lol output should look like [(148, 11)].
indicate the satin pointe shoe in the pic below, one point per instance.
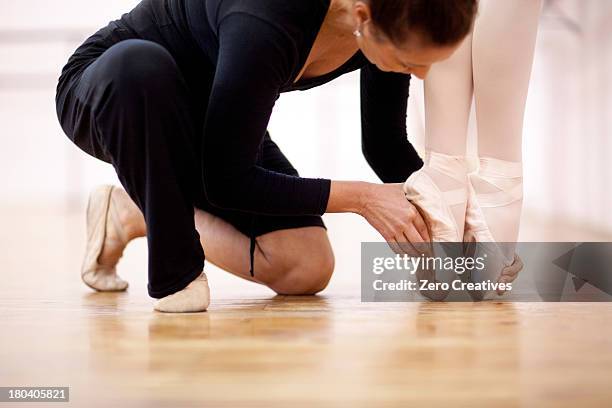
[(503, 183), (101, 215), (439, 205)]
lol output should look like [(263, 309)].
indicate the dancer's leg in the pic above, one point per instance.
[(439, 188), (503, 48), (448, 97), (448, 100)]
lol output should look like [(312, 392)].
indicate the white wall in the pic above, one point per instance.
[(568, 138)]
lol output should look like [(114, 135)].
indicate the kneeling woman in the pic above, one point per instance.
[(177, 95)]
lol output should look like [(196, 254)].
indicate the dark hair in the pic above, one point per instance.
[(442, 22)]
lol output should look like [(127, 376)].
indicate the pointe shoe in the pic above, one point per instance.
[(99, 211), (435, 205), (505, 178), (194, 298)]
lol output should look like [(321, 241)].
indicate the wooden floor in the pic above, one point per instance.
[(256, 349)]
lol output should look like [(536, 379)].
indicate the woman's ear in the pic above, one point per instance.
[(361, 14)]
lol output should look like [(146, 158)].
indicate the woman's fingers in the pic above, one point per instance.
[(420, 225), (411, 234), (419, 246), (408, 245), (398, 221), (394, 245), (416, 230)]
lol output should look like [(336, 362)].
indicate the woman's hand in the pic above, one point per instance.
[(386, 208), (395, 218)]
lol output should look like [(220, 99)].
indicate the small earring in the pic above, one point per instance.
[(357, 33)]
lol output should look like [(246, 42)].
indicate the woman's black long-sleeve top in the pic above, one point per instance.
[(258, 47)]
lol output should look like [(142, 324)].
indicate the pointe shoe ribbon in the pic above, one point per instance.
[(504, 176), (99, 212)]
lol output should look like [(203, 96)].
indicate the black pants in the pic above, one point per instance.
[(134, 95)]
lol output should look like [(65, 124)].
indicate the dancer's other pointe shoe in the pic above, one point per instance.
[(439, 191), (194, 298), (104, 231), (495, 194)]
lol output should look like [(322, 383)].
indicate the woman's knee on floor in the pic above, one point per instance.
[(301, 267)]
